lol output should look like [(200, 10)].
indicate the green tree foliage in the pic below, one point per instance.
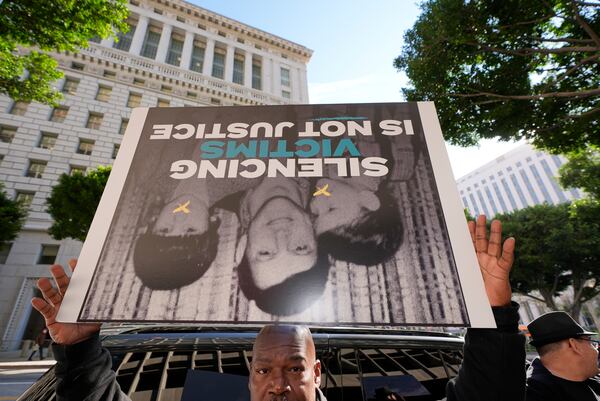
[(508, 69), (558, 246), (12, 216), (60, 25), (73, 202), (582, 171)]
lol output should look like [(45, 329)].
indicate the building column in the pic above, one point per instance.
[(138, 36), (163, 43), (276, 78), (229, 55), (266, 75), (248, 69), (295, 84), (209, 53), (303, 86), (186, 53)]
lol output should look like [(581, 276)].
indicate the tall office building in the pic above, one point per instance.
[(175, 54), (520, 178)]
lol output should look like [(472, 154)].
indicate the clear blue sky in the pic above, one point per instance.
[(354, 44)]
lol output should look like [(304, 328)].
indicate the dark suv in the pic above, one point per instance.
[(155, 362)]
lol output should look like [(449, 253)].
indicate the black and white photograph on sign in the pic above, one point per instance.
[(321, 214)]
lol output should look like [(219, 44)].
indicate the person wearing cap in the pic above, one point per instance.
[(567, 368)]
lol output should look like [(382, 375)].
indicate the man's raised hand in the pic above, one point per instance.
[(495, 259), (61, 333)]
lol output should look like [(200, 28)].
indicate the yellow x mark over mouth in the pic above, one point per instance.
[(182, 208), (322, 191)]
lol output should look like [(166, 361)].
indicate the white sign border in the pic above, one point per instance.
[(478, 308), (86, 265)]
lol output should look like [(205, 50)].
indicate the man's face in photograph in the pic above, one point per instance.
[(281, 242)]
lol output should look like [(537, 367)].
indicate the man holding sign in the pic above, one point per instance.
[(284, 365)]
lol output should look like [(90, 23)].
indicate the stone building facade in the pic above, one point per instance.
[(175, 54)]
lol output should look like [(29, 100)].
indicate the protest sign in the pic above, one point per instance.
[(321, 214)]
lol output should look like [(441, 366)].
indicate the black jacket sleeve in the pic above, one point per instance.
[(84, 373), (493, 368)]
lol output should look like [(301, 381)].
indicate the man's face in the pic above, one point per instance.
[(281, 243), (284, 368), (589, 356)]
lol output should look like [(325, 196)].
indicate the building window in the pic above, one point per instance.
[(86, 146), (77, 170), (180, 19), (151, 43), (116, 148), (94, 120), (197, 58), (47, 140), (500, 198), (215, 101), (218, 68), (103, 94), (529, 187), (192, 95), (19, 108), (4, 251), (286, 94), (123, 127), (162, 103), (552, 180), (109, 74), (138, 82), (59, 114), (25, 198), (517, 186), (285, 77), (256, 76), (238, 70), (123, 41), (134, 100), (70, 85), (541, 185), (508, 193), (77, 66), (48, 254), (166, 89), (7, 134), (36, 169), (174, 53), (96, 39)]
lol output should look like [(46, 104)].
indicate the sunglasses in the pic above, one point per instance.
[(595, 343)]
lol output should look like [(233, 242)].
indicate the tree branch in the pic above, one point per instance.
[(559, 40), (536, 298), (582, 115), (528, 51), (533, 21), (583, 24), (579, 94), (572, 70)]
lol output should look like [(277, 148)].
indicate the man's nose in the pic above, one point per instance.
[(281, 235), (279, 384)]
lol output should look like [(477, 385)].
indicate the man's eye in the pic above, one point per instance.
[(261, 371), (297, 369)]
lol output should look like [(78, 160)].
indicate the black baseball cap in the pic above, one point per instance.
[(555, 326)]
